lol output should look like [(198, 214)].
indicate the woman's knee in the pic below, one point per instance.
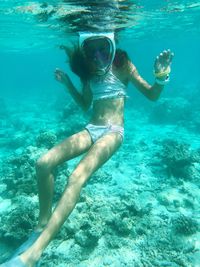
[(43, 165)]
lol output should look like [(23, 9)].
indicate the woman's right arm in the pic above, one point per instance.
[(83, 100)]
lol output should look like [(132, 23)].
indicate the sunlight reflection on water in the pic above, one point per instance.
[(38, 24)]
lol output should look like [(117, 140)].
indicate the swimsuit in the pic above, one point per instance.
[(105, 87), (97, 131)]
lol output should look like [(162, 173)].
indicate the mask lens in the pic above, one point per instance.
[(99, 51)]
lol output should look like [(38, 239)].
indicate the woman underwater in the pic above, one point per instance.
[(105, 73)]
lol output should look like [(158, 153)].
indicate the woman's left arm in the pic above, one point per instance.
[(161, 72)]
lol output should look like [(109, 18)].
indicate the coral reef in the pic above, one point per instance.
[(16, 225), (179, 159), (46, 139), (18, 172), (70, 121), (125, 213), (184, 225), (88, 236)]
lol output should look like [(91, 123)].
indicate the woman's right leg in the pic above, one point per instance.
[(66, 150)]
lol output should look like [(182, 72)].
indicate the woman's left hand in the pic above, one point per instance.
[(163, 62)]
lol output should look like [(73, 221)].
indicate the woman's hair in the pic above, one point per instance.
[(81, 67), (78, 64), (121, 58)]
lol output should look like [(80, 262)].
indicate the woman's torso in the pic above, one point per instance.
[(109, 109)]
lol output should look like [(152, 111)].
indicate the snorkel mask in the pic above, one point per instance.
[(98, 49)]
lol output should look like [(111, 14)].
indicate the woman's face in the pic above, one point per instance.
[(98, 53)]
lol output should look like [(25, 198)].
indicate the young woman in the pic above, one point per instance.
[(105, 73)]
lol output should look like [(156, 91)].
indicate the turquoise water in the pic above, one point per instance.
[(142, 207)]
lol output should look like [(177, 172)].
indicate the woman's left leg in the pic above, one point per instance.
[(98, 154)]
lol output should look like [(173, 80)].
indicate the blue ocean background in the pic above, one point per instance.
[(142, 207)]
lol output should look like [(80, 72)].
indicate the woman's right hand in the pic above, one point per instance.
[(61, 76)]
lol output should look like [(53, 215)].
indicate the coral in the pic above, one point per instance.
[(70, 121), (86, 226), (122, 226), (18, 172), (62, 173), (88, 237), (178, 158), (125, 216), (102, 176), (15, 226), (46, 139), (114, 242), (58, 254), (184, 225)]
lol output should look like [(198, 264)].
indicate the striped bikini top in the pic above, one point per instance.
[(107, 86)]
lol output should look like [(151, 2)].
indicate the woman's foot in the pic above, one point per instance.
[(27, 244), (21, 261), (30, 259)]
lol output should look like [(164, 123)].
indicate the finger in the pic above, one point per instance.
[(171, 56), (162, 58), (58, 71), (165, 53), (160, 62), (156, 63), (167, 56)]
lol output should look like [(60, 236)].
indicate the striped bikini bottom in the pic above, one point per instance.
[(97, 131)]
